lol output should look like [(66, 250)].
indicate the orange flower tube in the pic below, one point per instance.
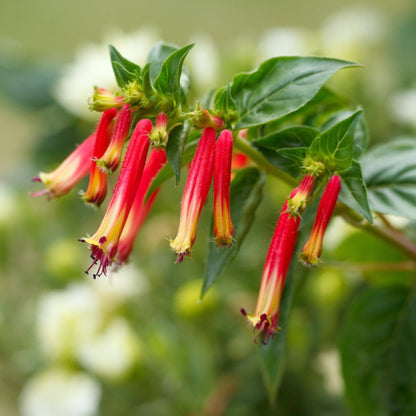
[(97, 186), (266, 315), (313, 248), (195, 194), (77, 165), (223, 226), (104, 243), (140, 207)]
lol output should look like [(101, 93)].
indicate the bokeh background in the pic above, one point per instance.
[(141, 342)]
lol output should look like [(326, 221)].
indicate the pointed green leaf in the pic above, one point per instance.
[(125, 71), (280, 86), (176, 146), (335, 146), (378, 344), (390, 174), (354, 192), (168, 80), (360, 130), (158, 54), (245, 196)]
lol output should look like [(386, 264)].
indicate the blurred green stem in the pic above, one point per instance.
[(387, 233)]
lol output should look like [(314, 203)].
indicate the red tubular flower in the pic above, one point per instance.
[(140, 207), (104, 242), (77, 165), (266, 315), (203, 119), (313, 247), (195, 194), (223, 226), (111, 158), (97, 186)]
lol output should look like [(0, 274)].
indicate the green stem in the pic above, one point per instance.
[(245, 147), (391, 235)]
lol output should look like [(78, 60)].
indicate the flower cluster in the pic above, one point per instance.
[(151, 114), (266, 315), (101, 154)]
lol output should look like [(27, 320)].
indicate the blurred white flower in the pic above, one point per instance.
[(60, 392), (351, 32), (328, 364), (67, 319), (91, 67), (286, 41), (126, 282), (403, 107), (112, 353), (203, 61)]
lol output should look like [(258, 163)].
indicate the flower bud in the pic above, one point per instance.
[(103, 100), (223, 226), (111, 158), (195, 194), (313, 248), (97, 186)]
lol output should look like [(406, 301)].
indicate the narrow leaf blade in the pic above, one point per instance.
[(245, 196)]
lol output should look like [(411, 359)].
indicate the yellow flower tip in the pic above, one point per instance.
[(181, 248), (262, 326), (224, 241), (308, 260)]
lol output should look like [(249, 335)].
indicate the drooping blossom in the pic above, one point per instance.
[(141, 206), (111, 158), (223, 226), (195, 193), (313, 248), (104, 243), (77, 165), (97, 185), (266, 315)]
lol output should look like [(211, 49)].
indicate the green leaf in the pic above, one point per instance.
[(354, 192), (280, 86), (176, 146), (378, 344), (272, 356), (245, 195), (360, 131), (124, 70), (335, 146), (168, 80), (286, 149), (389, 171), (158, 54)]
